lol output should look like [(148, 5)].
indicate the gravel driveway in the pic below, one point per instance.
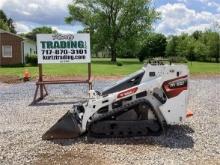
[(22, 125)]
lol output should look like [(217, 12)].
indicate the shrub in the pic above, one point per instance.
[(141, 57), (143, 54), (31, 59), (119, 64)]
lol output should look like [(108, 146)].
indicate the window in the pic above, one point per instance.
[(7, 51)]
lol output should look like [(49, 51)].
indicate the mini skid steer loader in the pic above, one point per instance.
[(141, 104)]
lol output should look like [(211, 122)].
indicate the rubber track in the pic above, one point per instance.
[(101, 120)]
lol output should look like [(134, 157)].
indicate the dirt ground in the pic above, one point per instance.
[(16, 79), (10, 79)]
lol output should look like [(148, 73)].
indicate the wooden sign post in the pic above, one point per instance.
[(58, 48)]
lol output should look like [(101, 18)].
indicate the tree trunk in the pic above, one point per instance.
[(217, 59), (113, 48), (113, 55)]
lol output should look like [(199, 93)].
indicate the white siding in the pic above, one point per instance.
[(29, 48)]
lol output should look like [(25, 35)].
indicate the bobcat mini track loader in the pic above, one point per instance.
[(140, 104)]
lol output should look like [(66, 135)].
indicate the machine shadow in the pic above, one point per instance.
[(51, 103), (48, 103), (177, 136)]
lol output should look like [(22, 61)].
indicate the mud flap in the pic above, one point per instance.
[(67, 127)]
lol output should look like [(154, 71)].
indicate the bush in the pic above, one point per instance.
[(119, 64), (143, 54), (141, 57), (31, 59)]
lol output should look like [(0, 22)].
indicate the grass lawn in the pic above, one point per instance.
[(102, 67), (204, 68)]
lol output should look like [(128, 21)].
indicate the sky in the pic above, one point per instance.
[(177, 16)]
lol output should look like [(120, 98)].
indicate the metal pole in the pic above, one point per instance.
[(89, 75), (41, 80), (89, 71)]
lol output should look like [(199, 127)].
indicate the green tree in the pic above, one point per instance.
[(3, 16), (118, 25), (201, 46), (44, 29), (190, 55), (197, 35), (185, 47), (6, 23), (171, 46), (212, 42), (155, 46), (201, 51)]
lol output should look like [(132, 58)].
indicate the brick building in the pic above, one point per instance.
[(11, 48)]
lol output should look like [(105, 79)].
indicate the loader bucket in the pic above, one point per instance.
[(67, 127)]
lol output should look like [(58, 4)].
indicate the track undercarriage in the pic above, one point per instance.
[(126, 121)]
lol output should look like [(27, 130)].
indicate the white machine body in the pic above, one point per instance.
[(172, 112), (141, 103)]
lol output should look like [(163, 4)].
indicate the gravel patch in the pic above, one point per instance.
[(22, 125)]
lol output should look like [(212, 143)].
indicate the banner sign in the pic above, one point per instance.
[(63, 48)]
